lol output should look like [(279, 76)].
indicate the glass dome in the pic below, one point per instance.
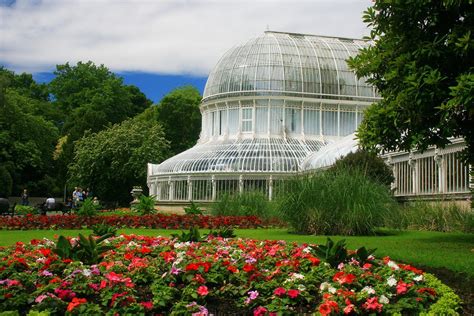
[(289, 64), (268, 104), (327, 155)]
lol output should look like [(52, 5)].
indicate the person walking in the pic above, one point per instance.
[(24, 198)]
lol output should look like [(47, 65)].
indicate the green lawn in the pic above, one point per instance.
[(454, 251)]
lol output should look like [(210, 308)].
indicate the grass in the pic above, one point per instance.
[(453, 251)]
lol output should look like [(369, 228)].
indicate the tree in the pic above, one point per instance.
[(112, 161), (180, 116), (27, 142), (91, 98), (422, 62)]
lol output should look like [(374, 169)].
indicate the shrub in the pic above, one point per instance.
[(436, 216), (104, 229), (338, 202), (25, 209), (193, 209), (145, 205), (369, 164), (87, 208), (244, 204)]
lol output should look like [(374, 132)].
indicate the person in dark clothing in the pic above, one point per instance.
[(24, 198)]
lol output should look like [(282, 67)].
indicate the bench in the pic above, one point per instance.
[(5, 208), (56, 207)]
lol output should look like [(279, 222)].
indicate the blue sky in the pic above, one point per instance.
[(157, 45), (154, 86)]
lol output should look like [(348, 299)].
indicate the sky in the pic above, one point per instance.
[(157, 45)]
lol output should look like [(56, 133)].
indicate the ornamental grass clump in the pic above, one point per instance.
[(341, 202), (252, 203)]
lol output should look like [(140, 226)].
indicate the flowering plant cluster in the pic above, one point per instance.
[(157, 275), (172, 221)]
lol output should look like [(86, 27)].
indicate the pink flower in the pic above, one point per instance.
[(202, 290), (372, 304), (293, 293), (279, 291)]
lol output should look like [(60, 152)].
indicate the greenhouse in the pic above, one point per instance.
[(268, 104)]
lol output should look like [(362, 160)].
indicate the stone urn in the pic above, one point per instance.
[(136, 193)]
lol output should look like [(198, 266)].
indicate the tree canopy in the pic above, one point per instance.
[(113, 160), (180, 116), (422, 62), (27, 138)]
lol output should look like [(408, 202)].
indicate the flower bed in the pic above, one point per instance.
[(156, 275), (131, 221)]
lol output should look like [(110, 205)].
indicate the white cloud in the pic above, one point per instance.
[(174, 37)]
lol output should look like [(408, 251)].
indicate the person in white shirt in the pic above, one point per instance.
[(50, 202)]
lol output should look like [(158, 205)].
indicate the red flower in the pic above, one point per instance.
[(344, 278), (260, 311), (202, 290), (428, 290), (293, 293), (279, 291), (147, 305), (328, 307), (45, 252), (315, 261), (402, 287), (372, 304), (145, 250), (232, 269), (248, 268), (76, 302)]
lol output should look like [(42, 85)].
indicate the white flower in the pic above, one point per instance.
[(332, 290), (418, 278), (393, 265), (383, 299), (86, 272), (368, 290), (324, 286), (340, 266), (132, 244), (307, 250), (301, 287), (391, 281)]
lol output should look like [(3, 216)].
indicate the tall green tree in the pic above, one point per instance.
[(113, 160), (180, 116), (91, 98), (422, 62), (27, 140)]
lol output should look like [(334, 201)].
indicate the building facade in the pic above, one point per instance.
[(268, 104)]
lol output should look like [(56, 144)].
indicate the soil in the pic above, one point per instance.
[(461, 283)]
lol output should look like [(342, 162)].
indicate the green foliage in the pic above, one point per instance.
[(145, 205), (448, 302), (88, 250), (178, 112), (421, 63), (338, 202), (104, 229), (193, 235), (117, 155), (433, 216), (245, 204), (87, 208), (332, 253), (193, 209), (6, 182), (27, 136), (24, 209), (91, 98), (226, 232), (367, 163)]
